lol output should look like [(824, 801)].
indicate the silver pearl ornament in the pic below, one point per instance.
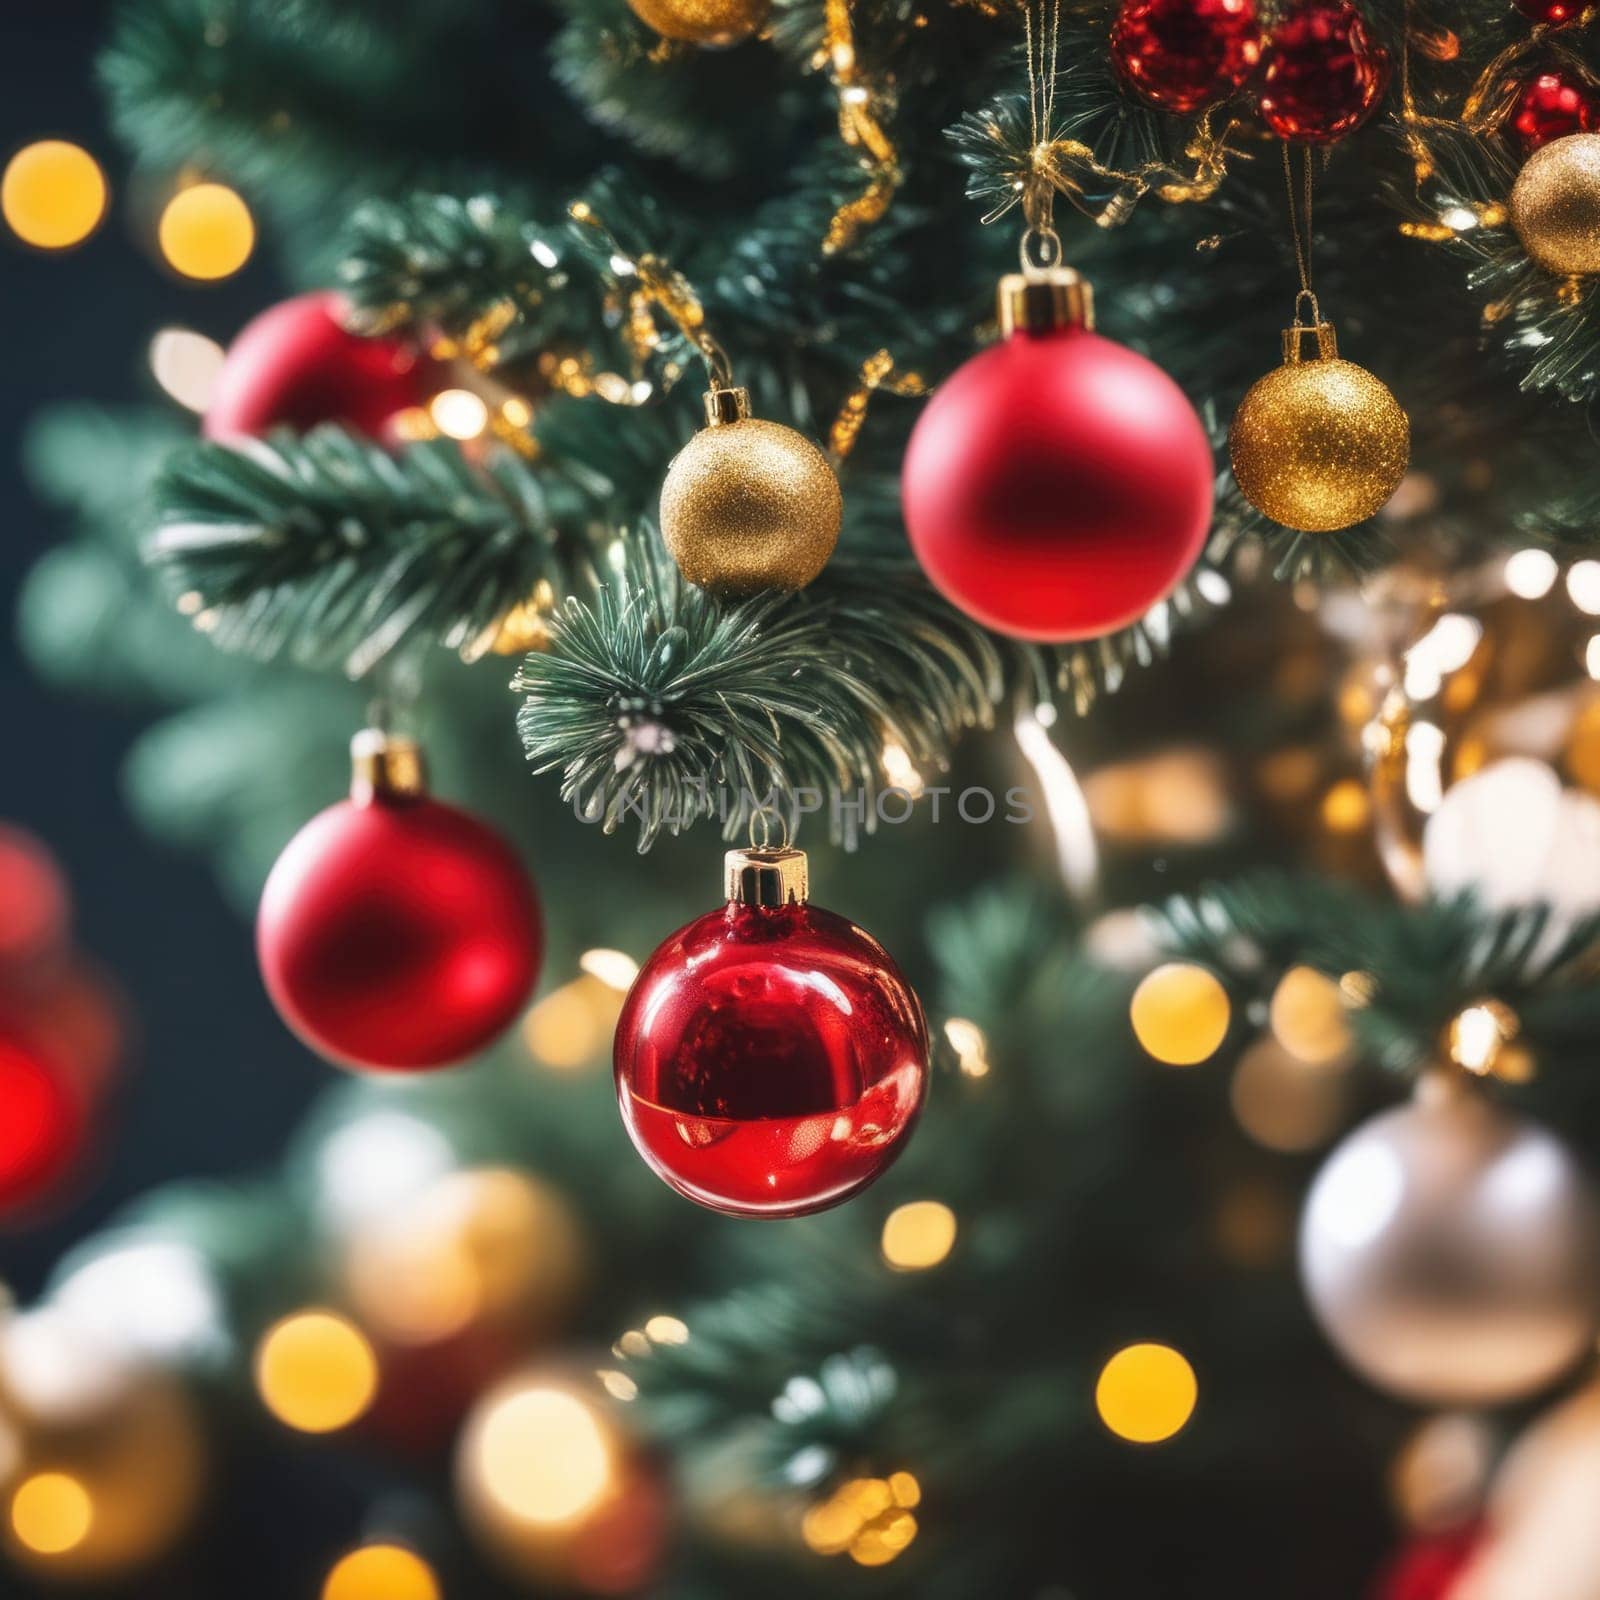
[(1451, 1250)]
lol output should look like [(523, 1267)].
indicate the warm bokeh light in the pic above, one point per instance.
[(1308, 1017), (868, 1519), (1479, 1033), (315, 1371), (1346, 807), (666, 1330), (614, 968), (458, 413), (1146, 1393), (918, 1235), (381, 1572), (971, 1048), (1531, 574), (206, 231), (51, 1513), (186, 365), (1583, 586), (1281, 1104), (542, 1455), (53, 194), (1180, 1014), (573, 1025)]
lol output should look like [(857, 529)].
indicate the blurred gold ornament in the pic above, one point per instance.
[(1318, 444), (104, 1469), (711, 22), (1180, 1014), (1555, 205), (553, 1487), (749, 505), (1450, 1250), (487, 1248)]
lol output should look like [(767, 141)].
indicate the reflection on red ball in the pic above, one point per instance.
[(1185, 54), (770, 1062), (296, 365), (43, 1124), (398, 933), (1324, 73), (1057, 486), (1551, 107)]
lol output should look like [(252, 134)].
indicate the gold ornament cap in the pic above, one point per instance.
[(385, 766), (1324, 346), (727, 405), (766, 877), (1045, 300)]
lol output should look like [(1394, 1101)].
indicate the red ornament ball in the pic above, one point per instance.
[(1181, 55), (1554, 13), (1057, 486), (1551, 107), (43, 1123), (1428, 1567), (398, 934), (770, 1059), (1324, 73), (297, 365)]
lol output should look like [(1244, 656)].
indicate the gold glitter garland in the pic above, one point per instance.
[(864, 109), (877, 372)]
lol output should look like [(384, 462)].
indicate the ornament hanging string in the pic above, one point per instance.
[(1041, 244), (1300, 214)]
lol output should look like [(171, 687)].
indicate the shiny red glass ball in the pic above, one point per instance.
[(296, 365), (1553, 12), (43, 1123), (1324, 73), (1057, 486), (1185, 54), (1551, 107), (770, 1062), (398, 934)]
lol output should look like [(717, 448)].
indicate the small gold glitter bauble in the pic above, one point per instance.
[(1318, 444), (1555, 205), (748, 504), (713, 22)]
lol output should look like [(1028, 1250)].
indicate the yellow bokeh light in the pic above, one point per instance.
[(1180, 1014), (53, 194), (1146, 1393), (614, 968), (1346, 807), (868, 1519), (207, 231), (381, 1572), (918, 1235), (51, 1513), (543, 1456), (458, 413), (315, 1371), (666, 1330), (1308, 1017), (573, 1025)]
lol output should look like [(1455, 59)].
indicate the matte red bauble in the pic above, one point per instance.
[(1059, 484), (397, 933), (770, 1058), (1551, 107), (43, 1123), (297, 365), (1324, 73), (1185, 54)]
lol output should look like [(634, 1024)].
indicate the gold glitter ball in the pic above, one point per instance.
[(750, 505), (1555, 205), (1319, 445), (713, 22)]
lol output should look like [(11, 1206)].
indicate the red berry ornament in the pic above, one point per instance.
[(43, 1123), (1324, 73), (1551, 107), (770, 1058), (1059, 484), (397, 933), (1185, 54), (297, 365)]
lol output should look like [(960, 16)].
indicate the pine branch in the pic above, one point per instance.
[(328, 547)]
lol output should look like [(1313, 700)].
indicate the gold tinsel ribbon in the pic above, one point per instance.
[(877, 372), (864, 110)]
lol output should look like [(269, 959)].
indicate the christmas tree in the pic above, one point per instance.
[(1116, 484)]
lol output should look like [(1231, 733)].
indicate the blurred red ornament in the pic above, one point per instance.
[(296, 365), (1324, 73), (1551, 107), (770, 1058), (1185, 54), (34, 906), (43, 1123), (397, 933), (1428, 1567), (1552, 12), (1058, 484), (70, 1011)]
